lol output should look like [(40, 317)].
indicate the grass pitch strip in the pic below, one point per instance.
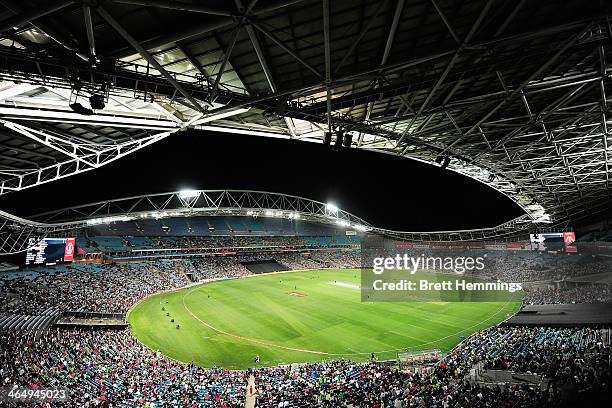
[(300, 317)]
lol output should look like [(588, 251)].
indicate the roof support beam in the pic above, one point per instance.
[(218, 23), (25, 18), (175, 5), (449, 66), (511, 16), (285, 48), (446, 22), (604, 122), (90, 32), (396, 17), (194, 62), (327, 46), (265, 67), (363, 32), (260, 56), (569, 43), (226, 57), (15, 90), (145, 54)]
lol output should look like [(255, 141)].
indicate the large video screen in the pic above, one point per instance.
[(554, 241), (50, 251)]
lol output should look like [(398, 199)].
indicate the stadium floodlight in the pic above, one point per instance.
[(107, 220), (269, 213), (343, 223), (360, 227), (157, 215), (188, 197), (185, 194), (331, 209)]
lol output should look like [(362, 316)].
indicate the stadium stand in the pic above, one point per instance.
[(127, 373), (572, 362)]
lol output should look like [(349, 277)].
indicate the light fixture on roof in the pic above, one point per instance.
[(188, 197), (331, 209), (188, 193), (80, 109), (443, 161), (97, 101)]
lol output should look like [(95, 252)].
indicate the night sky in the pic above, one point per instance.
[(387, 191)]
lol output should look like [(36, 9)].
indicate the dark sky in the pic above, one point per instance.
[(385, 190)]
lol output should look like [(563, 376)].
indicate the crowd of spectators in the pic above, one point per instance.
[(298, 261), (111, 289), (575, 357), (231, 241), (531, 266), (115, 287), (216, 268), (573, 293), (340, 259), (106, 288), (110, 368)]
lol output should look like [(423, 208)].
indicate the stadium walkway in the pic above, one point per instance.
[(251, 391)]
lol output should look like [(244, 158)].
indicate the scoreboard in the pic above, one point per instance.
[(50, 251), (554, 241)]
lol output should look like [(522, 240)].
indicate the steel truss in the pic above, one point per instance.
[(539, 135), (79, 156), (16, 231)]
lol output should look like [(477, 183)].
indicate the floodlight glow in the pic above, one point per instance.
[(188, 193), (107, 220), (343, 223), (269, 213), (331, 208), (360, 227)]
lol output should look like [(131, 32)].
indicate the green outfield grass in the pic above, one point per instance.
[(228, 323)]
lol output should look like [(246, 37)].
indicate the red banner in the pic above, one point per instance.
[(69, 249), (569, 237)]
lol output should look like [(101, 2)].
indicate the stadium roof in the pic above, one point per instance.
[(514, 93), (16, 233)]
